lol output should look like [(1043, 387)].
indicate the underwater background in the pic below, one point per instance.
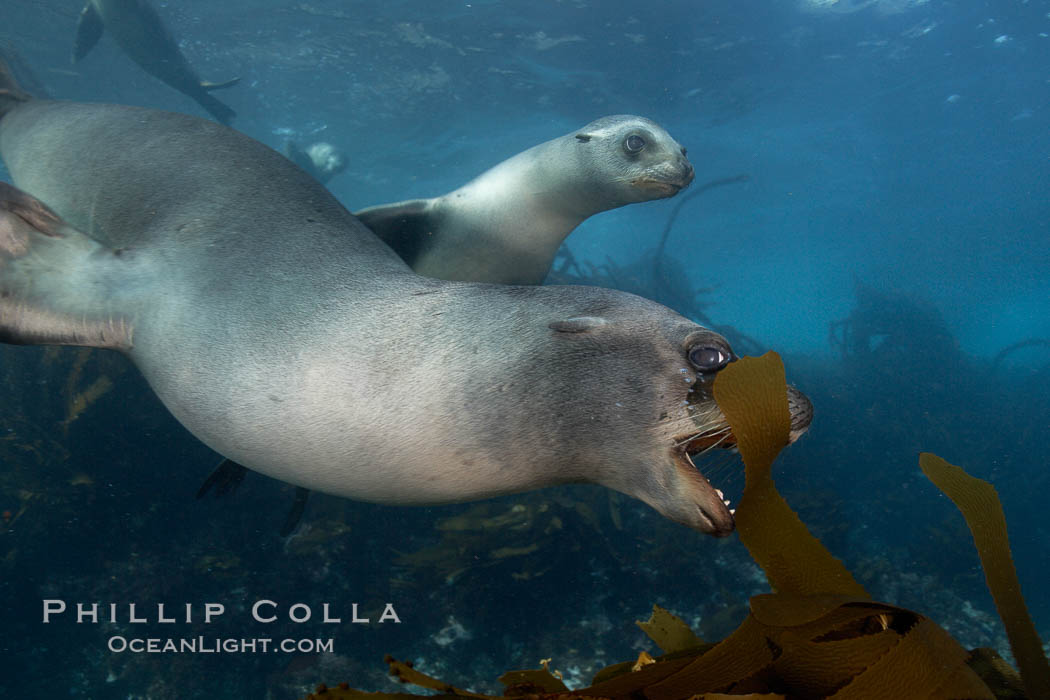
[(891, 240)]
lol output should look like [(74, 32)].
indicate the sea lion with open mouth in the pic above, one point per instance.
[(281, 332)]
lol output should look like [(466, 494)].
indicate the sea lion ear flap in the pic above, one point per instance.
[(583, 138), (578, 324)]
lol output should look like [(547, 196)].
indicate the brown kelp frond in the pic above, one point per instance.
[(979, 504), (752, 396), (668, 631), (818, 635)]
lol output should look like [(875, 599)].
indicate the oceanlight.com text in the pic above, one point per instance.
[(218, 645)]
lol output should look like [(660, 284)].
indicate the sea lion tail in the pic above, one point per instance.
[(54, 279), (11, 93), (209, 86)]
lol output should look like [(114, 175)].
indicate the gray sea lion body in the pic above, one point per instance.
[(289, 338), (506, 225), (138, 30)]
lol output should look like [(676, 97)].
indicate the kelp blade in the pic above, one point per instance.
[(752, 393), (979, 504), (819, 635)]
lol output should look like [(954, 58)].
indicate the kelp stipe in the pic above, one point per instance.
[(819, 634)]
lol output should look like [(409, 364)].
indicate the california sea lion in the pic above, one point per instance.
[(321, 159), (501, 227), (506, 225), (139, 31), (286, 336)]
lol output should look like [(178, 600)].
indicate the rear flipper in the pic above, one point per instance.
[(54, 280), (16, 77), (208, 85), (220, 110), (11, 93), (222, 113)]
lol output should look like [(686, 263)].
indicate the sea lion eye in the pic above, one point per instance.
[(707, 359), (633, 143)]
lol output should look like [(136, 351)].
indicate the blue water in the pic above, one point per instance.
[(898, 155)]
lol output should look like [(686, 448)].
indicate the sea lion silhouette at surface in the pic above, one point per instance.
[(327, 362), (505, 225), (139, 31)]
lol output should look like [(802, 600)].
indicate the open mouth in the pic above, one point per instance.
[(665, 188), (714, 508), (713, 432)]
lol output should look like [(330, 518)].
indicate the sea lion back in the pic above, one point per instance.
[(113, 189)]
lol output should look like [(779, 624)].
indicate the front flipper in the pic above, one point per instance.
[(295, 514), (408, 227), (54, 280), (89, 29), (225, 479)]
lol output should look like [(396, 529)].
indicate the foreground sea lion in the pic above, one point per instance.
[(287, 337), (139, 31), (505, 225)]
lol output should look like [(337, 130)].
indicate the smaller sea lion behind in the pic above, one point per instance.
[(139, 31), (506, 225), (321, 159)]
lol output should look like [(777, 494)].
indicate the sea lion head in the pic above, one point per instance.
[(650, 408), (326, 158), (639, 159)]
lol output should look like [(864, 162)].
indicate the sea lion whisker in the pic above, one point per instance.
[(721, 433), (703, 421)]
